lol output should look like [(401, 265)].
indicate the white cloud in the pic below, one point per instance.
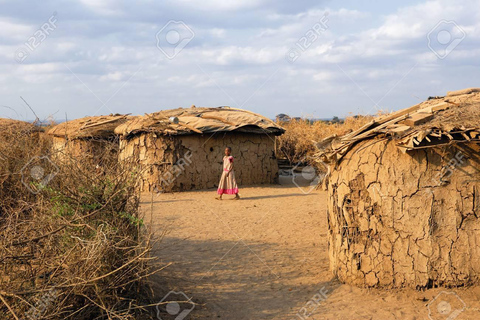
[(218, 33), (220, 5), (40, 68), (114, 76), (15, 31), (104, 7), (323, 76), (240, 48), (234, 54), (345, 14)]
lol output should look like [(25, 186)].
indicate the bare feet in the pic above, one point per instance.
[(237, 197), (218, 198)]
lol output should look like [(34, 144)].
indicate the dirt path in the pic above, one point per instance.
[(266, 257)]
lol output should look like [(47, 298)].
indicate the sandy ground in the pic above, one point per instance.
[(265, 257)]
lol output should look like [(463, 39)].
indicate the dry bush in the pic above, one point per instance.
[(297, 144), (74, 246), (18, 144)]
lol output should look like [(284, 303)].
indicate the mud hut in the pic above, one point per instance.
[(17, 127), (7, 124), (182, 149), (404, 196), (90, 137)]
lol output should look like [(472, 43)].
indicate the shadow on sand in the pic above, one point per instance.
[(235, 279)]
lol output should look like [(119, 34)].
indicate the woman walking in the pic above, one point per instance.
[(227, 184)]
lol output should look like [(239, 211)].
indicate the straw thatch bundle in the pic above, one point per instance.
[(404, 196), (182, 149), (90, 136), (19, 127), (89, 127)]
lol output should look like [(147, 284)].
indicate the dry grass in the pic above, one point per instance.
[(74, 248), (298, 142)]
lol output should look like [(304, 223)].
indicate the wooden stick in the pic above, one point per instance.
[(9, 308), (103, 122)]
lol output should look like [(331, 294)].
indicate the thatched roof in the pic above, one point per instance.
[(439, 121), (89, 127), (10, 125), (200, 120)]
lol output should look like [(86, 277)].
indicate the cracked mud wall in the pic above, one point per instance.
[(192, 162), (410, 219), (99, 151)]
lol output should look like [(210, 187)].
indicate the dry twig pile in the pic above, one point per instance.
[(72, 242)]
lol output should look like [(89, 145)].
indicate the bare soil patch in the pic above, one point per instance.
[(266, 257)]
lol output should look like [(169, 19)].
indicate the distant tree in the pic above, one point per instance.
[(335, 119), (283, 117)]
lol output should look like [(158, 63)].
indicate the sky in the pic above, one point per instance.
[(304, 58)]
